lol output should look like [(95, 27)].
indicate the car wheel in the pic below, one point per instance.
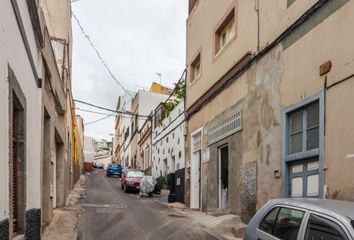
[(121, 185), (125, 189)]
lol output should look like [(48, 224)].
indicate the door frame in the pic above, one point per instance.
[(219, 171), (193, 152)]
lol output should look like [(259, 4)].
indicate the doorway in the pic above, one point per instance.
[(18, 168), (195, 180), (223, 176), (47, 170), (195, 172)]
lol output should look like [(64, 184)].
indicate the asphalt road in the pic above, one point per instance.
[(112, 214)]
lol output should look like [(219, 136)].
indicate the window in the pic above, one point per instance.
[(304, 129), (267, 224), (302, 150), (283, 223), (195, 68), (225, 32), (135, 174), (319, 228)]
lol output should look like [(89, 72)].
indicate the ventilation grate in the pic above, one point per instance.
[(225, 128)]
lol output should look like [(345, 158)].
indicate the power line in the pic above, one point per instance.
[(110, 110), (89, 111), (99, 120), (99, 55), (104, 114)]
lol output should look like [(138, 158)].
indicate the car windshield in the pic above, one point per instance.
[(135, 174), (115, 166)]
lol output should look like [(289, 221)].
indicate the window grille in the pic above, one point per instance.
[(225, 128)]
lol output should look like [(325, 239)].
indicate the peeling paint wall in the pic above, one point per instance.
[(262, 124), (285, 76)]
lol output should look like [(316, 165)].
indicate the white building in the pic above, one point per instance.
[(21, 121), (144, 103), (168, 143), (125, 106), (89, 151)]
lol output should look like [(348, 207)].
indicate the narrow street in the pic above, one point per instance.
[(112, 214)]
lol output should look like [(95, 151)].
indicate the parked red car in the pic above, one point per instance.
[(131, 180)]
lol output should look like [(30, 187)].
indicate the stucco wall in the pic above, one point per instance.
[(339, 141), (288, 75), (171, 128), (13, 54), (201, 26), (88, 149)]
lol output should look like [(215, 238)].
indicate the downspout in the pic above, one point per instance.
[(258, 24)]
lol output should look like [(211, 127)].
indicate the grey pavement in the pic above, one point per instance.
[(112, 214)]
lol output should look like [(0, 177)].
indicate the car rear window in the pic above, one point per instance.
[(283, 223), (135, 174), (322, 228)]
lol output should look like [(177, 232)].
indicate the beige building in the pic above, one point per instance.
[(58, 20), (270, 103), (56, 112), (145, 146)]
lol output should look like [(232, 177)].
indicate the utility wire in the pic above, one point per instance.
[(104, 114), (99, 120), (99, 55), (110, 110), (89, 111)]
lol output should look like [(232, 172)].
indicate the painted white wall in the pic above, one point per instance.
[(13, 53), (148, 101), (105, 160), (171, 129), (124, 124), (89, 150)]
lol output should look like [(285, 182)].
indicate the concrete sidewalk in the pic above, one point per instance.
[(229, 226), (65, 222)]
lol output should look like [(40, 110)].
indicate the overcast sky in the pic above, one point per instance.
[(137, 38)]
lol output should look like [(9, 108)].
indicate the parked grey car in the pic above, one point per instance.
[(308, 219)]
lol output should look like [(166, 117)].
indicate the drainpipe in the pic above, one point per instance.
[(258, 24)]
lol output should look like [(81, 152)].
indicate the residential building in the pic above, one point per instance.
[(168, 141), (143, 104), (54, 136), (75, 147), (168, 145), (20, 130), (158, 88), (269, 109), (102, 147), (144, 144), (58, 19), (89, 153), (118, 132), (81, 130), (123, 128)]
